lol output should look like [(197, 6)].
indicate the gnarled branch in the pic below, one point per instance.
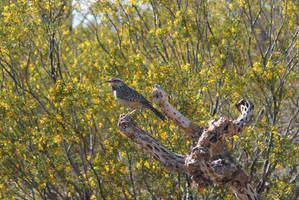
[(209, 162), (172, 161)]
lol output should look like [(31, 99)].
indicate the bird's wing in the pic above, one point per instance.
[(129, 94)]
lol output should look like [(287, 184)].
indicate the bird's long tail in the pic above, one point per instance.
[(160, 115)]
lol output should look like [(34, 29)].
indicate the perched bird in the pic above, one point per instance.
[(131, 98)]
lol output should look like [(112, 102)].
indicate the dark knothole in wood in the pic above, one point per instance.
[(124, 125), (213, 137)]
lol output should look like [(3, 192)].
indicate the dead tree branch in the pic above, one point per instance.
[(193, 130), (172, 161), (210, 161)]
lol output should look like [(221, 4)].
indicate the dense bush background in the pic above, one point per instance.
[(58, 133)]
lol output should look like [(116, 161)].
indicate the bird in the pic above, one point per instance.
[(129, 97)]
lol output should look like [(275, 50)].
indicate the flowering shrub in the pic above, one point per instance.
[(58, 133)]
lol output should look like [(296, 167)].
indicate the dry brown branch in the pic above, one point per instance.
[(172, 161)]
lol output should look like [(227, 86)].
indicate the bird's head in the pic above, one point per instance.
[(115, 82)]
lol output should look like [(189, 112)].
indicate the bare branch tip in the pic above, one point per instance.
[(246, 109), (158, 87), (246, 103), (158, 94)]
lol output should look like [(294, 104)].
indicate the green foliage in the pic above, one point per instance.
[(58, 119)]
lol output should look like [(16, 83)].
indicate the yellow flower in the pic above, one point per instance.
[(56, 139), (133, 2), (203, 190), (277, 166), (236, 137), (107, 168), (88, 157), (204, 89), (257, 67), (178, 13), (69, 194), (289, 189), (147, 165), (138, 165)]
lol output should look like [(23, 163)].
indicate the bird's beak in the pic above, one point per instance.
[(108, 81)]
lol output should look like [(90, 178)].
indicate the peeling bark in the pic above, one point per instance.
[(209, 161)]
